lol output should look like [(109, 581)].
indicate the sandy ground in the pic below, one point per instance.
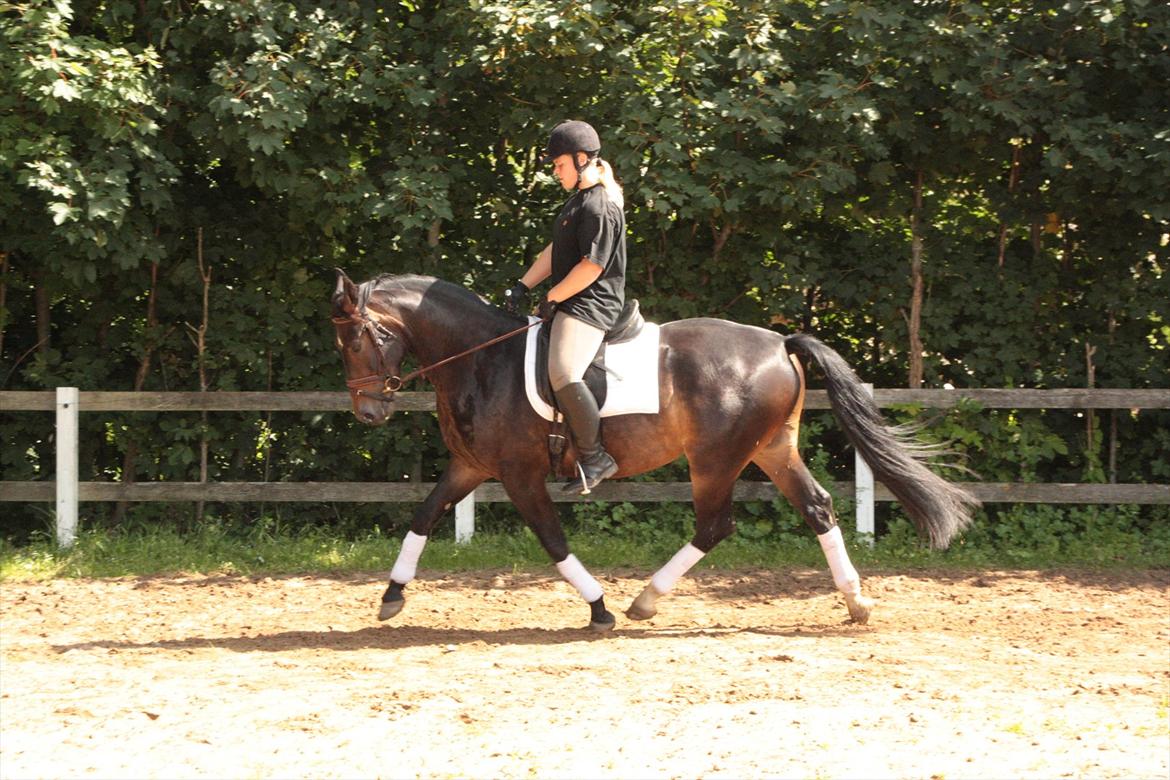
[(490, 674)]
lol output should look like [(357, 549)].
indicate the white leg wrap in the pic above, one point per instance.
[(665, 578), (845, 577), (407, 563), (572, 570)]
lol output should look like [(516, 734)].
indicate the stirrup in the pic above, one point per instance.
[(580, 483), (584, 480)]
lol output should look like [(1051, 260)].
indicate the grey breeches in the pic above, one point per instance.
[(572, 347)]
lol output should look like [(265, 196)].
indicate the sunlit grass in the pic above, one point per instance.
[(212, 550), (267, 549)]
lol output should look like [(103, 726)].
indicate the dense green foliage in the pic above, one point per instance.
[(772, 154)]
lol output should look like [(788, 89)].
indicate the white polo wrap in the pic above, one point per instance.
[(845, 577), (407, 563), (665, 578), (573, 572)]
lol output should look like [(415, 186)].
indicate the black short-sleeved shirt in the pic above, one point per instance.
[(592, 226)]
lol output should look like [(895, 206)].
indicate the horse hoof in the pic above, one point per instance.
[(606, 623), (859, 609), (390, 608), (643, 607), (634, 612)]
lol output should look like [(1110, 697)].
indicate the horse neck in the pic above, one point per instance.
[(440, 326)]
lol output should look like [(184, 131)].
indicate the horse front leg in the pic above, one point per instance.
[(531, 499), (456, 482)]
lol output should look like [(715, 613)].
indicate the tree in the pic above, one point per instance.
[(987, 182)]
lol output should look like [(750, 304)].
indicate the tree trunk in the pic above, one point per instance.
[(130, 459), (810, 307), (1092, 457), (1112, 415), (3, 297), (1013, 177), (268, 433), (720, 237), (44, 321), (199, 336), (914, 324)]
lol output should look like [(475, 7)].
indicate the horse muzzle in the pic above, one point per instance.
[(374, 412), (373, 398)]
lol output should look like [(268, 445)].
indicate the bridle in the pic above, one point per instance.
[(392, 383), (380, 335)]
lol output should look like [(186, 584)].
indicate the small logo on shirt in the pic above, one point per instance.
[(564, 223)]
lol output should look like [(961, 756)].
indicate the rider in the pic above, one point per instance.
[(587, 263)]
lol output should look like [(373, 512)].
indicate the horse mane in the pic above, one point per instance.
[(434, 288)]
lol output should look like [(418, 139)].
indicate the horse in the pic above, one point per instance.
[(730, 394)]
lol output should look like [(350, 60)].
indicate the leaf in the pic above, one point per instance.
[(64, 89), (63, 212)]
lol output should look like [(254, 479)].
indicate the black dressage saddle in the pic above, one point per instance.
[(629, 324)]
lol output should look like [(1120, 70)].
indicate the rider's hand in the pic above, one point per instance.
[(546, 310), (516, 298)]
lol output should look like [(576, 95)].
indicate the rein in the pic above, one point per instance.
[(392, 384), (466, 352)]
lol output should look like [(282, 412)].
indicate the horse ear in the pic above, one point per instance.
[(344, 294)]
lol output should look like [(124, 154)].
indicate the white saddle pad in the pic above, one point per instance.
[(631, 375)]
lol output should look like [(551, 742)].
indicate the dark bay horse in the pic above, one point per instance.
[(730, 395)]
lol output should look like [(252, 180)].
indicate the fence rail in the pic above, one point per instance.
[(329, 401), (359, 492), (67, 491)]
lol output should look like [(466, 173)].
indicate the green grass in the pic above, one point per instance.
[(212, 550), (266, 549)]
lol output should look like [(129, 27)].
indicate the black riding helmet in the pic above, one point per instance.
[(569, 138)]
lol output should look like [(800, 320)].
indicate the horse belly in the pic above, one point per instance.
[(640, 442)]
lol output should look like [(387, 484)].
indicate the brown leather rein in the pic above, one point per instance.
[(391, 384)]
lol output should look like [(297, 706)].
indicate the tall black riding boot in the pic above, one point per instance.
[(593, 462)]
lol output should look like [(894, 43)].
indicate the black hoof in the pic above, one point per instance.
[(390, 608), (392, 601), (600, 618), (607, 623)]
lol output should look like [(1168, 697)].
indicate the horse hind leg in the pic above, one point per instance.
[(783, 465), (713, 523)]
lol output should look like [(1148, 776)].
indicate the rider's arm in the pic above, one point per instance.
[(583, 274), (540, 269)]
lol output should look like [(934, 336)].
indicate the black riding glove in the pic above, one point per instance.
[(516, 298), (546, 310)]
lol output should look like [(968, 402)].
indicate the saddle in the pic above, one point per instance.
[(629, 324)]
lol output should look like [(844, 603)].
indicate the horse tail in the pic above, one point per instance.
[(938, 509)]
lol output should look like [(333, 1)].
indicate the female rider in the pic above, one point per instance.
[(587, 263)]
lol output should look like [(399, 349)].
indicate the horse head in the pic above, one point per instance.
[(372, 344)]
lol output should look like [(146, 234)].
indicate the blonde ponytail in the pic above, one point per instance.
[(612, 188)]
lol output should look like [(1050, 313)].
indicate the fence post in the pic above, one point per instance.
[(465, 519), (67, 441), (863, 490)]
